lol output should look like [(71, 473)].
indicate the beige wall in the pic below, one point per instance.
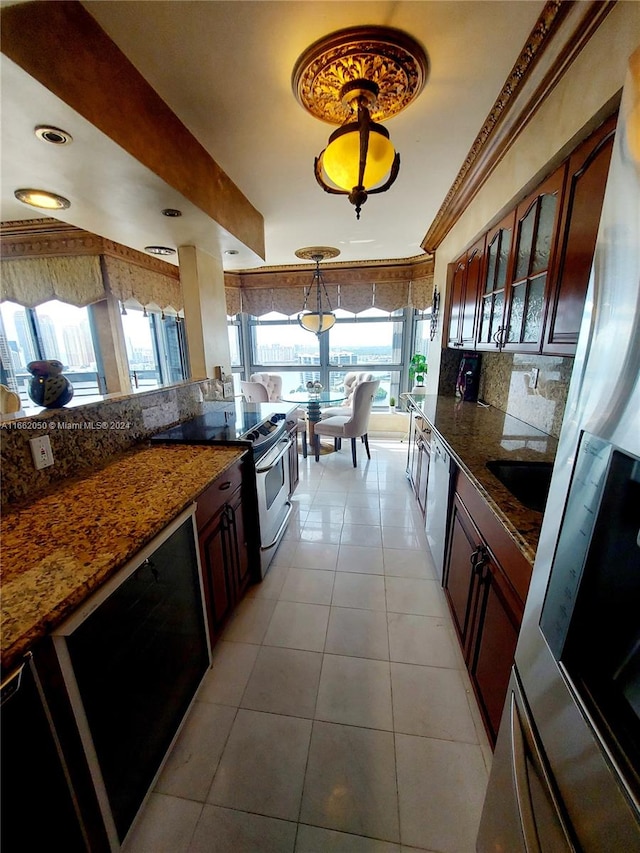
[(591, 81)]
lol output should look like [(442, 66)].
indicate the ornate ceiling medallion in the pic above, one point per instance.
[(322, 253), (390, 58)]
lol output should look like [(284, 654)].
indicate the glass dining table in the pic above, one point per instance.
[(313, 403)]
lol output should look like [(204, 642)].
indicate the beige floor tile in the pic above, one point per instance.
[(361, 534), (298, 626), (263, 764), (360, 558), (315, 555), (441, 787), (189, 770), (357, 632), (284, 681), (425, 640), (250, 621), (350, 783), (403, 537), (308, 586), (166, 826), (271, 585), (354, 514), (408, 563), (355, 691), (432, 702), (227, 831), (232, 663), (324, 532), (416, 596), (353, 589), (313, 839)]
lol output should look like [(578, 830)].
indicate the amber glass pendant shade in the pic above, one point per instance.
[(341, 157)]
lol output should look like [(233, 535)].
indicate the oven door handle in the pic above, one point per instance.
[(285, 521), (287, 444)]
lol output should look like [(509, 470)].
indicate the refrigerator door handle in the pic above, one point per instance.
[(521, 781)]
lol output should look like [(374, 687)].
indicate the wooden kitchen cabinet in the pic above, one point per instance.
[(536, 234), (495, 280), (485, 580), (226, 518), (587, 171), (464, 284)]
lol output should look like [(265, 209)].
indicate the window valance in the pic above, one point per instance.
[(356, 297), (32, 281), (129, 281)]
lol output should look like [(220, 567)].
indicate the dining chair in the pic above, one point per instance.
[(271, 381), (273, 384), (351, 379), (354, 426), (254, 392)]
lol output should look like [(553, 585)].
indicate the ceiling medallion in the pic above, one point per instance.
[(357, 78), (390, 58)]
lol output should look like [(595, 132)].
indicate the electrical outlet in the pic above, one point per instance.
[(41, 452), (533, 377)]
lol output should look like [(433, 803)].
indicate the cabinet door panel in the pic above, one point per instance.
[(473, 282), (460, 576), (496, 635), (239, 544), (214, 555), (586, 178), (497, 273), (456, 286)]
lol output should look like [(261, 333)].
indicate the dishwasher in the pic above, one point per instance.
[(438, 494)]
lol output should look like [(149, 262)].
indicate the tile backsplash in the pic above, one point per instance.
[(88, 436), (506, 381)]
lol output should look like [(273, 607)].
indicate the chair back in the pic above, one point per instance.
[(351, 379), (272, 382), (363, 394), (254, 392)]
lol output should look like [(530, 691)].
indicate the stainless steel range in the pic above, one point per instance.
[(263, 427)]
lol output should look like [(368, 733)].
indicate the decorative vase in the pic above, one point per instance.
[(48, 387)]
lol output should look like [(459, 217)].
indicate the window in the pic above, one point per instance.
[(156, 349), (422, 335), (53, 330)]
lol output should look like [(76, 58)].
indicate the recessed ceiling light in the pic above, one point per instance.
[(171, 211), (54, 135), (43, 199), (159, 250), (231, 251)]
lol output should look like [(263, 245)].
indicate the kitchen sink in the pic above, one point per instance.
[(527, 481)]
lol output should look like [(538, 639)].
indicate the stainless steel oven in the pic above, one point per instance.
[(274, 506)]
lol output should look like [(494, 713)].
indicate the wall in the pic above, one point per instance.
[(591, 81), (87, 437)]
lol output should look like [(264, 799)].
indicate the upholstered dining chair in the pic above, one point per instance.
[(254, 392), (351, 379), (273, 383), (354, 426)]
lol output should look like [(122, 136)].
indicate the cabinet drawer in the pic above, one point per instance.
[(218, 493), (515, 565)]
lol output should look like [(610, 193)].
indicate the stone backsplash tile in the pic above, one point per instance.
[(88, 437), (505, 382)]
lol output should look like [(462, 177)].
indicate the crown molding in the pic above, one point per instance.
[(560, 33)]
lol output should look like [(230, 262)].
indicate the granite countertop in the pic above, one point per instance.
[(60, 548), (475, 435)]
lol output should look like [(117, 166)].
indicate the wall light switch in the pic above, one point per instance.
[(41, 452)]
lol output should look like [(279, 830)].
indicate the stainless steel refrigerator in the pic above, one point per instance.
[(566, 769)]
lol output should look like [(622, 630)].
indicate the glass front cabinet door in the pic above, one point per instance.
[(497, 273), (536, 237)]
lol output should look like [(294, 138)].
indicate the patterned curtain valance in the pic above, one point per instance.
[(391, 296), (356, 297), (233, 300), (32, 281), (421, 293), (129, 281)]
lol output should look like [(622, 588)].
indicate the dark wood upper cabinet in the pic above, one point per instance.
[(496, 275), (587, 171), (522, 285), (536, 235)]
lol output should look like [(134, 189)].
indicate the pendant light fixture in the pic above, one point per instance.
[(357, 78), (323, 318)]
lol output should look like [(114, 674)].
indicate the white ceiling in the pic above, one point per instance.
[(224, 67)]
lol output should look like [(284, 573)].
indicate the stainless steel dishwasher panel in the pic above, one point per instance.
[(438, 499)]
